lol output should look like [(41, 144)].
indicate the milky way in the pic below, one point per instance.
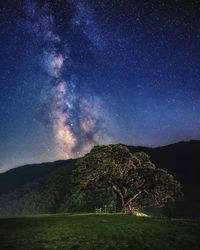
[(76, 73), (77, 123)]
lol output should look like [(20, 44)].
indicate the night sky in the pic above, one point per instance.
[(78, 73)]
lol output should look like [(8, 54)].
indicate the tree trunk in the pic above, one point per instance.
[(130, 209), (120, 199), (120, 204)]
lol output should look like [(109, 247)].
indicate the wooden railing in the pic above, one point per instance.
[(107, 209)]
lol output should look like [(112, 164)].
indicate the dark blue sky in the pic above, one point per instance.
[(78, 73)]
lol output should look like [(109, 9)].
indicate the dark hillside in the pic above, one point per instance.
[(19, 176), (183, 162), (42, 191)]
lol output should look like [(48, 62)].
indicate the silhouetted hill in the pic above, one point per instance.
[(35, 189), (19, 176), (183, 162), (41, 188)]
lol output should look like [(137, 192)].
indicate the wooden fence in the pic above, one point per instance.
[(107, 209)]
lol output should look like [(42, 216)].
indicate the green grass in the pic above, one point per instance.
[(91, 231)]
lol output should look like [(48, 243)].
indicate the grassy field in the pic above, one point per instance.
[(90, 231)]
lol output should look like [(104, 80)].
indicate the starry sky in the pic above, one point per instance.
[(75, 73)]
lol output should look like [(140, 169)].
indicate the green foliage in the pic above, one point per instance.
[(133, 177), (88, 200), (97, 232)]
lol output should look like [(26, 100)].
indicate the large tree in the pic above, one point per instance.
[(133, 177)]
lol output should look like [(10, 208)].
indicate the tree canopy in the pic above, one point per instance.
[(133, 177)]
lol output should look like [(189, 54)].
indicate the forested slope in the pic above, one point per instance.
[(36, 188)]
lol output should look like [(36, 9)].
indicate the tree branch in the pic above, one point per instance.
[(125, 191), (117, 190), (134, 197)]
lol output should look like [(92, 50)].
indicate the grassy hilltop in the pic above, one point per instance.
[(92, 231)]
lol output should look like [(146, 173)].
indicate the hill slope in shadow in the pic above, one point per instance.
[(35, 189), (182, 160)]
